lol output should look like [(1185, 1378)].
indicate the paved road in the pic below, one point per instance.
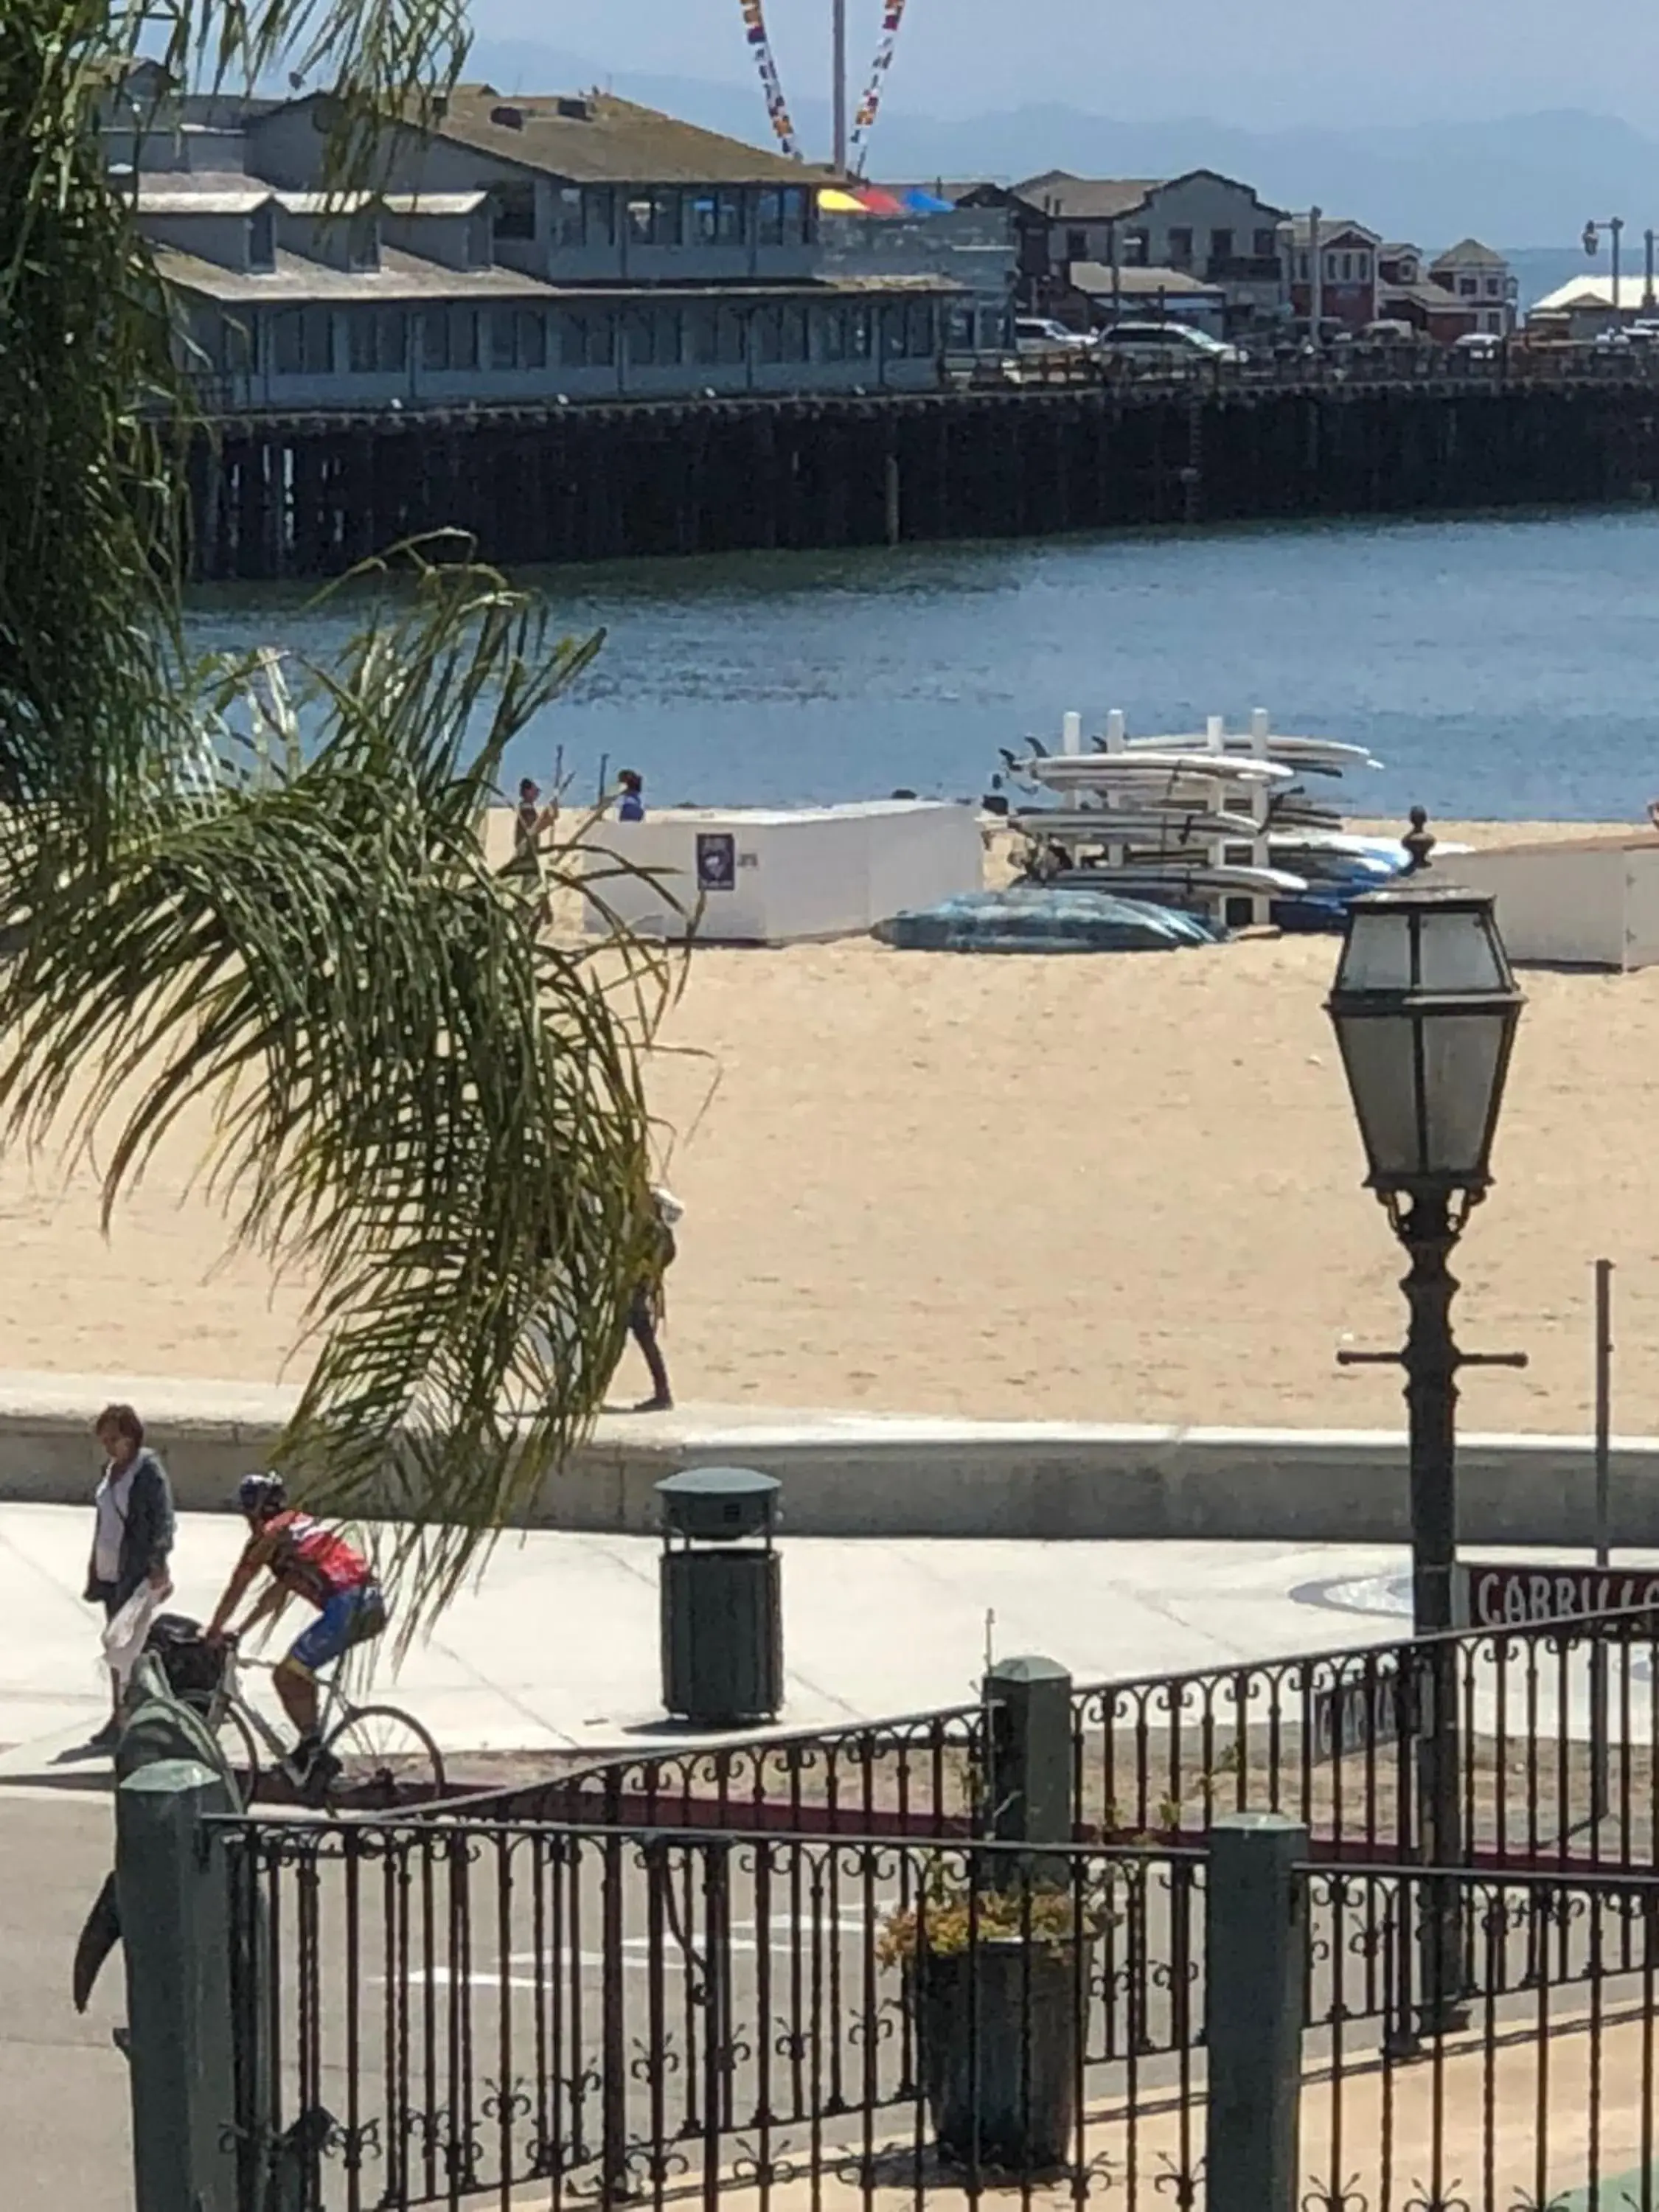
[(64, 2133)]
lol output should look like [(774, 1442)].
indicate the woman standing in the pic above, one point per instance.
[(132, 1535)]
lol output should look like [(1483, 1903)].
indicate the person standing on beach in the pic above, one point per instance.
[(133, 1533), (648, 1303), (631, 806)]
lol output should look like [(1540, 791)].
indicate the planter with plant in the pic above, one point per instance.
[(997, 1965)]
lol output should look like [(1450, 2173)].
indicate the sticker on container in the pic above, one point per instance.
[(717, 860)]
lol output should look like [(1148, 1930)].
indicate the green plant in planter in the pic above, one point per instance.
[(996, 1983), (953, 1915)]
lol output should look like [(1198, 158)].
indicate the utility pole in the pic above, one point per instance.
[(1315, 280), (838, 90)]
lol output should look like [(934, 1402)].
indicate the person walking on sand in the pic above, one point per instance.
[(133, 1530), (631, 805), (648, 1303)]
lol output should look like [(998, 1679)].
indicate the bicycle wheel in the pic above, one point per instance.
[(241, 1747), (385, 1761)]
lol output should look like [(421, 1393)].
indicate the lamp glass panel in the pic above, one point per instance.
[(1379, 1052), (1461, 1056)]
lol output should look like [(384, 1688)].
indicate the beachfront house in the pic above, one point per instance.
[(514, 251), (1347, 271), (1211, 229), (1481, 282)]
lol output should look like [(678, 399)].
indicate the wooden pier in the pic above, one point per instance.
[(309, 496)]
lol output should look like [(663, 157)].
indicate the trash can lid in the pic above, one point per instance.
[(719, 1482)]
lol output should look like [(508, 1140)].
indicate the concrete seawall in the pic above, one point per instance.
[(855, 1475)]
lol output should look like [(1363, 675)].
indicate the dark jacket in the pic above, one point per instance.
[(147, 1539)]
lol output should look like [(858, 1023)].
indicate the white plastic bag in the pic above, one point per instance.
[(124, 1634)]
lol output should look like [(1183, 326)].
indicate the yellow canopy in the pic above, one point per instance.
[(835, 203)]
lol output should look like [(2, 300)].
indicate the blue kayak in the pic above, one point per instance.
[(1033, 918)]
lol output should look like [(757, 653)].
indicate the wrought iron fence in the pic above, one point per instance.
[(446, 2013), (1557, 1723), (1527, 2085)]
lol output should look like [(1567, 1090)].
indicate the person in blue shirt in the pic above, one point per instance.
[(632, 807)]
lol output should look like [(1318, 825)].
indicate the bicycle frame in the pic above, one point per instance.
[(228, 1696)]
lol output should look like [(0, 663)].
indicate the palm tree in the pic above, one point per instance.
[(264, 884)]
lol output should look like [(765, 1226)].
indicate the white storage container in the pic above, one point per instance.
[(761, 876), (1580, 903)]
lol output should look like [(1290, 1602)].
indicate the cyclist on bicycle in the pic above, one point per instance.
[(305, 1560)]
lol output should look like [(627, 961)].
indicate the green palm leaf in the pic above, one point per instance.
[(262, 884)]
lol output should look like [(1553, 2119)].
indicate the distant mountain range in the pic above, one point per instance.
[(1519, 180)]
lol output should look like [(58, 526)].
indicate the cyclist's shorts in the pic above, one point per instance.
[(350, 1616)]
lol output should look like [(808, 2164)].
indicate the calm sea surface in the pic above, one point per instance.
[(1505, 668)]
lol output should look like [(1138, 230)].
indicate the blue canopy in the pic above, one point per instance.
[(920, 203)]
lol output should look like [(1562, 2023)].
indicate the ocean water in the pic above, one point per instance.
[(1504, 667)]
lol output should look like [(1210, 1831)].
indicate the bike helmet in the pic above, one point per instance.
[(261, 1493)]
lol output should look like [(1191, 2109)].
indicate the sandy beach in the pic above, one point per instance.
[(1120, 1188)]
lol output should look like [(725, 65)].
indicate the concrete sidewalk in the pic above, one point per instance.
[(557, 1647)]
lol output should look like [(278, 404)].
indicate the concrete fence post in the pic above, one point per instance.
[(174, 1903), (1028, 1704), (1255, 1960)]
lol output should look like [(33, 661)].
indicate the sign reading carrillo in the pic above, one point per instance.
[(1513, 1596)]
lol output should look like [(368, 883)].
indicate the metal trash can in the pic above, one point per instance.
[(722, 1614)]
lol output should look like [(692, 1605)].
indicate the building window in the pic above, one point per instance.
[(586, 339), (920, 325), (1137, 245), (1265, 245), (1347, 268), (671, 337), (1076, 246), (639, 221), (702, 334), (530, 338), (565, 222), (863, 333), (391, 341), (768, 336), (783, 218), (599, 216), (1181, 249), (262, 239), (795, 334), (641, 338), (1332, 262), (715, 218), (462, 338), (665, 218), (435, 341), (302, 342), (514, 213), (1494, 287), (733, 337), (1362, 263), (502, 339), (1467, 288), (1221, 245), (1302, 268), (895, 332), (832, 334)]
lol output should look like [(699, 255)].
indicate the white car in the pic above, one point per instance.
[(1167, 344), (1038, 334), (1482, 343)]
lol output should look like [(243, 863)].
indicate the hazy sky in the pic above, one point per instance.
[(1273, 62)]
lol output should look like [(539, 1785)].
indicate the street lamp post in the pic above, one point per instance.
[(1615, 230), (1424, 1007)]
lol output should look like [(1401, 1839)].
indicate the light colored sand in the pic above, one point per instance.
[(1116, 1188)]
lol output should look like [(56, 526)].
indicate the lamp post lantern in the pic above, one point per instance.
[(1424, 1006)]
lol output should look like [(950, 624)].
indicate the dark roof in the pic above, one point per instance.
[(1332, 229), (596, 138), (1468, 254), (1086, 199), (1096, 279)]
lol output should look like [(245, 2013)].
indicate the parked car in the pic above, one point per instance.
[(1388, 331), (1038, 334), (1484, 345), (1167, 344)]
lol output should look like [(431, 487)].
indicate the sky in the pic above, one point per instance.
[(1271, 64)]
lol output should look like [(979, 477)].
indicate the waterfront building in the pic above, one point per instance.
[(975, 246), (514, 252), (1481, 282), (1348, 274), (1209, 227)]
